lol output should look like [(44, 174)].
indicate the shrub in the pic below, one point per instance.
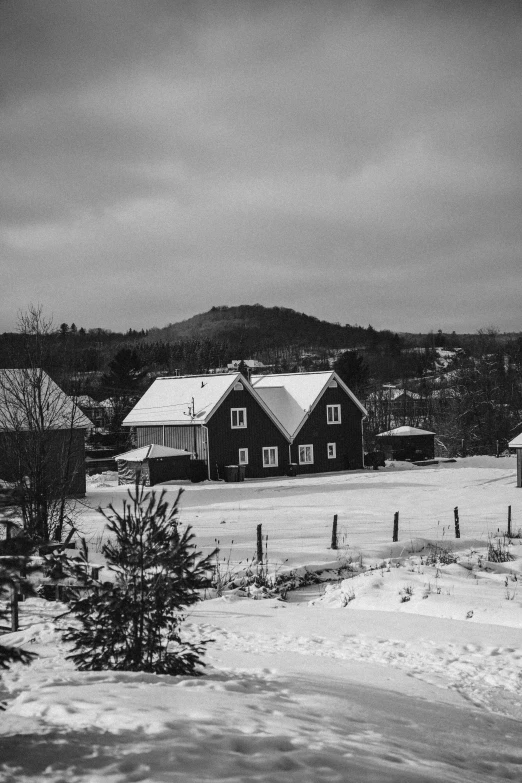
[(134, 622)]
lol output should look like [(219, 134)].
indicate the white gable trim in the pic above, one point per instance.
[(333, 376), (247, 387)]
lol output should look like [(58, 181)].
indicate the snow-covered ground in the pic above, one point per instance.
[(406, 667)]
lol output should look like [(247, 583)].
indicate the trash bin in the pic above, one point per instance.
[(231, 473), (197, 470), (241, 472), (292, 469)]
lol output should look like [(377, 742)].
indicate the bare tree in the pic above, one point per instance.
[(41, 435)]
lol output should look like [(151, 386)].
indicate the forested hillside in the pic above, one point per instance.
[(466, 387), (257, 328)]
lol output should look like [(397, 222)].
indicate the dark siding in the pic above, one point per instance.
[(347, 435), (168, 469), (154, 471), (65, 458), (225, 442), (403, 447)]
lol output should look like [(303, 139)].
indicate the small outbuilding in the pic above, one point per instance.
[(408, 443), (516, 444), (153, 464)]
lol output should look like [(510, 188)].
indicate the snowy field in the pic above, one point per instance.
[(405, 666)]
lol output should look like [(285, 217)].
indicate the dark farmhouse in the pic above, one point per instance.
[(322, 417), (275, 425), (42, 433), (218, 418)]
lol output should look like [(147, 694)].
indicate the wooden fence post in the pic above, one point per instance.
[(395, 526), (14, 606), (457, 523), (334, 532), (509, 521), (259, 544)]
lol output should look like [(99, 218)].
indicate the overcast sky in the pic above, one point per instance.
[(357, 161)]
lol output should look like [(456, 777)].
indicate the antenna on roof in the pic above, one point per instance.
[(203, 384)]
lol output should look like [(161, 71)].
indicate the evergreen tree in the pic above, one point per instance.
[(134, 622), (353, 370)]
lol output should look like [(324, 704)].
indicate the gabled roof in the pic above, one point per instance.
[(282, 405), (152, 451), (516, 443), (392, 393), (169, 400), (405, 432), (292, 397), (31, 400)]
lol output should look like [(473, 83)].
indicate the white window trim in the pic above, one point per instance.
[(333, 446), (329, 414), (266, 452), (306, 461), (238, 426), (244, 461)]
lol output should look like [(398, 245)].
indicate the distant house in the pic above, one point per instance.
[(36, 413), (94, 410), (321, 415), (394, 406), (218, 418), (408, 443), (252, 365), (310, 420)]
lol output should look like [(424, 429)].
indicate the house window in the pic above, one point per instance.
[(332, 450), (238, 418), (333, 414), (243, 457), (306, 455), (270, 457)]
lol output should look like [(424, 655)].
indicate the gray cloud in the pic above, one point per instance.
[(357, 161)]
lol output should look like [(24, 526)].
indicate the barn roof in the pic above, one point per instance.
[(152, 451), (516, 443), (293, 396), (31, 400), (189, 399), (405, 432)]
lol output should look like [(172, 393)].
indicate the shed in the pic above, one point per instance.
[(516, 444), (42, 432), (153, 464), (408, 443)]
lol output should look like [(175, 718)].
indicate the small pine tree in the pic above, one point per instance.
[(133, 623)]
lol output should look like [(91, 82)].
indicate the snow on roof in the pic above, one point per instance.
[(516, 443), (30, 399), (283, 406), (250, 363), (292, 396), (169, 400), (152, 451), (392, 393), (405, 432)]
